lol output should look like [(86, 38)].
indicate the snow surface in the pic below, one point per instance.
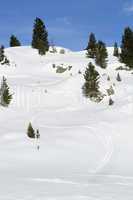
[(85, 148)]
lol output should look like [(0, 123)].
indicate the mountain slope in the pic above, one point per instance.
[(85, 148)]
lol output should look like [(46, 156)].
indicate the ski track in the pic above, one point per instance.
[(107, 142)]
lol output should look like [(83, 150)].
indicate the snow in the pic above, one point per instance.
[(85, 148)]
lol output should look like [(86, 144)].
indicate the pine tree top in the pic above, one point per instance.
[(14, 41), (91, 73), (92, 41)]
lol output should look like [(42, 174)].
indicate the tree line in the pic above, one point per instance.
[(95, 49)]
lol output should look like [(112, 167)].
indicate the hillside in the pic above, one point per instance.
[(85, 147)]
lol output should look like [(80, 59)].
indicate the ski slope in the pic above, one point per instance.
[(85, 148)]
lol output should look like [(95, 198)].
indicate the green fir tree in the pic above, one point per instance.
[(91, 47), (40, 37), (30, 131), (5, 95), (2, 53), (91, 85), (14, 42), (126, 55), (101, 54)]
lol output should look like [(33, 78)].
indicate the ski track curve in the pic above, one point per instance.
[(107, 140)]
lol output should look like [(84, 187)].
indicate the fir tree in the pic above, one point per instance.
[(14, 42), (118, 78), (111, 102), (2, 55), (91, 86), (126, 55), (30, 131), (116, 50), (5, 96), (108, 78), (40, 37), (101, 54), (3, 58), (91, 47)]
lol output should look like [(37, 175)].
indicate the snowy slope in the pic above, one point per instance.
[(85, 148)]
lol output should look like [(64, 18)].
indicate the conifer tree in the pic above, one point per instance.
[(40, 37), (30, 131), (101, 54), (116, 50), (2, 56), (5, 96), (91, 86), (14, 42), (108, 78), (91, 47), (126, 55), (118, 78), (111, 102)]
